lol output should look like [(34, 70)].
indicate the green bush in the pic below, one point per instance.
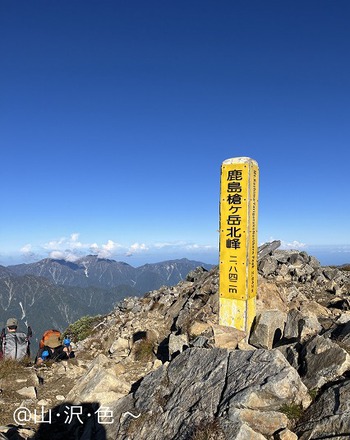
[(313, 393), (293, 411), (82, 328)]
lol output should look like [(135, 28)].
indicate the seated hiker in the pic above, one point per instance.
[(53, 350), (13, 343)]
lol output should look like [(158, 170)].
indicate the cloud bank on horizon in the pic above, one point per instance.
[(72, 248)]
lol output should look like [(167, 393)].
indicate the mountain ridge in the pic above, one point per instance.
[(162, 366), (101, 272), (56, 293)]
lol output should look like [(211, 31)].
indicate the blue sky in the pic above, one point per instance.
[(115, 117)]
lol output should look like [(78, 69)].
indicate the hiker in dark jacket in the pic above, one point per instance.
[(53, 351)]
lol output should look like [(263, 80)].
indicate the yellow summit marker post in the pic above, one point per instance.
[(238, 242)]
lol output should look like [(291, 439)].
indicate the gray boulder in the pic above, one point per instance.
[(329, 416), (323, 361), (214, 388), (301, 326), (268, 328)]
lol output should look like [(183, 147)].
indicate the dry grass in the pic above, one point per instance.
[(157, 306), (10, 372), (143, 350), (345, 267), (10, 368), (144, 422), (209, 430)]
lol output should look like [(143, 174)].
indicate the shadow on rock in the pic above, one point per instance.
[(74, 422)]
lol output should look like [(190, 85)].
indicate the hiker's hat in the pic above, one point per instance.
[(12, 322), (53, 341)]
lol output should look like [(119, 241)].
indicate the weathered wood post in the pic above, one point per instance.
[(238, 242)]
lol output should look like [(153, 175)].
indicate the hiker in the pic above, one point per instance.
[(12, 325), (14, 344), (54, 350)]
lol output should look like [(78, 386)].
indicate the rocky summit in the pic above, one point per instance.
[(162, 368)]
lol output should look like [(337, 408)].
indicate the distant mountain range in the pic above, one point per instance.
[(54, 293)]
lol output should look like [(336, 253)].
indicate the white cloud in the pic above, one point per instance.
[(72, 248), (331, 248), (138, 247), (26, 249), (28, 253), (295, 244), (161, 245), (200, 247), (111, 245), (292, 245), (64, 255), (182, 245), (343, 249), (107, 250), (65, 243), (74, 236)]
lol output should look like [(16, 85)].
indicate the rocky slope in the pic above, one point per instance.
[(160, 367)]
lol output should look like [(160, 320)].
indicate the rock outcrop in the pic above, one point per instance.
[(161, 366), (237, 389)]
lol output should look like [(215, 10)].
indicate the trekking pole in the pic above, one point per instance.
[(2, 337), (29, 332), (29, 335)]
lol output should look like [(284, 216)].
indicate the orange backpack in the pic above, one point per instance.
[(47, 334)]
